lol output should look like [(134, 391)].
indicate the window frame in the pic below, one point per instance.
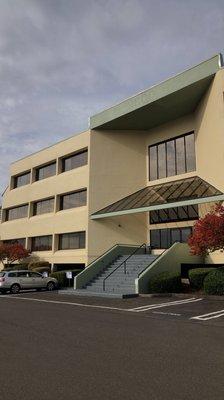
[(67, 157), (174, 139), (62, 196), (34, 206), (35, 249), (169, 232), (175, 210), (38, 168), (15, 179), (60, 248), (7, 210)]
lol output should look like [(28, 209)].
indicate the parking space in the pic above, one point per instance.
[(191, 309)]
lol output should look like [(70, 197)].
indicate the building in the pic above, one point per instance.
[(143, 173)]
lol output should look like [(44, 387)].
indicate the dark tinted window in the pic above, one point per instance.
[(164, 238), (172, 157), (74, 240), (12, 274), (72, 200), (17, 212), (21, 180), (23, 274), (21, 241), (42, 243), (174, 214), (46, 171), (34, 275), (74, 161), (43, 206)]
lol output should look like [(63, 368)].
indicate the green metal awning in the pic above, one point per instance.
[(169, 100), (178, 193)]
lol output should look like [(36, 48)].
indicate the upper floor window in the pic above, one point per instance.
[(43, 206), (74, 161), (174, 214), (21, 180), (172, 157), (72, 200), (16, 212), (41, 243), (46, 171), (76, 240)]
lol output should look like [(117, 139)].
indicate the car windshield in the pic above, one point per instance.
[(2, 274)]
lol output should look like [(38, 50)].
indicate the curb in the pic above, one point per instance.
[(181, 295)]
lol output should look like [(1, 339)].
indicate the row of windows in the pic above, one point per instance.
[(164, 238), (174, 214), (66, 241), (67, 163), (172, 157), (70, 200)]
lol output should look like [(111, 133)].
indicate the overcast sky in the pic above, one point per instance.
[(64, 60)]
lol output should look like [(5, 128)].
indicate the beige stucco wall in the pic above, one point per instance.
[(209, 118), (117, 168), (72, 220)]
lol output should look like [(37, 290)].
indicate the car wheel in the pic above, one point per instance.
[(50, 286), (15, 288)]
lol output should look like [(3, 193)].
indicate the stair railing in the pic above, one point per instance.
[(124, 263)]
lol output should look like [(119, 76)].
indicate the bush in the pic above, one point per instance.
[(61, 278), (165, 282), (16, 267), (197, 276), (40, 266), (214, 282)]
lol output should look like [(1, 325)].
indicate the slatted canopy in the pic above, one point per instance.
[(177, 193)]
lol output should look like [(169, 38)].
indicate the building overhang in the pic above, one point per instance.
[(179, 193), (169, 100)]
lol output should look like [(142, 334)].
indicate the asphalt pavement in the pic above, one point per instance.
[(64, 347)]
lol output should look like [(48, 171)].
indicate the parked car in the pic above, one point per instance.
[(14, 281)]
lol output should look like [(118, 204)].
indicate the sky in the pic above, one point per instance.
[(62, 61)]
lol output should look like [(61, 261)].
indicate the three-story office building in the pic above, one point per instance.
[(144, 172)]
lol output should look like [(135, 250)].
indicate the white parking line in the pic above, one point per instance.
[(167, 304), (62, 302), (212, 315)]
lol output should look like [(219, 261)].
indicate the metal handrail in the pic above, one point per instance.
[(152, 262), (124, 262), (107, 251)]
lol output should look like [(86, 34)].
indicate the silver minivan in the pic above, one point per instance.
[(14, 281)]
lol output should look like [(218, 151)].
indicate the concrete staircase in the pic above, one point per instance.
[(117, 282)]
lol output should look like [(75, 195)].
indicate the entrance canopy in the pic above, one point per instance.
[(178, 193)]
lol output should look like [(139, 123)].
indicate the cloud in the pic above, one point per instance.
[(62, 61)]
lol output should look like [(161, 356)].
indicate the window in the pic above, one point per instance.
[(34, 275), (72, 200), (21, 241), (164, 238), (174, 214), (21, 180), (41, 243), (43, 206), (74, 240), (172, 157), (74, 161), (16, 213), (46, 171)]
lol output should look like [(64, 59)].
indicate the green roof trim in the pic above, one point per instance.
[(170, 99)]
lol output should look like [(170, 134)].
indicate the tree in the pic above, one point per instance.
[(208, 233), (9, 253)]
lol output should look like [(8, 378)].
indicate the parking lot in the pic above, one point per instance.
[(68, 347)]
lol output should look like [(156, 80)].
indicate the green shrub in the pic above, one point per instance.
[(165, 282), (214, 282), (61, 278), (17, 267), (40, 266), (197, 276)]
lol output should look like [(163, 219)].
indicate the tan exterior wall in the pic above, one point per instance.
[(72, 220), (117, 168)]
